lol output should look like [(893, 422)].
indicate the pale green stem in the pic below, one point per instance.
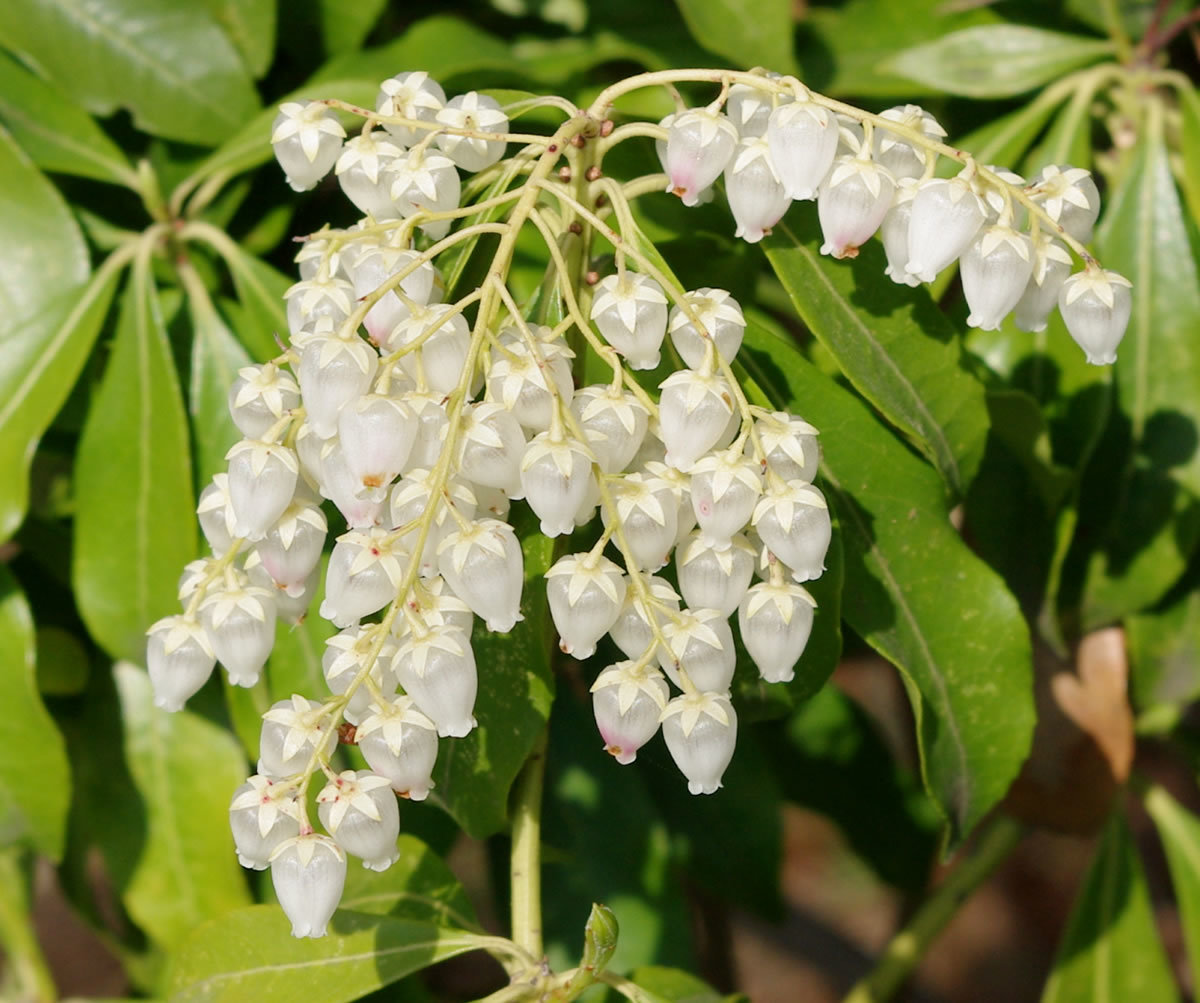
[(525, 870)]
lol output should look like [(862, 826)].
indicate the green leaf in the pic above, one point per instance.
[(344, 26), (1189, 145), (135, 524), (1156, 522), (169, 64), (963, 651), (418, 886), (674, 985), (1179, 830), (1162, 645), (55, 131), (1111, 949), (996, 60), (216, 358), (516, 688), (35, 780), (250, 25), (891, 342), (260, 290), (758, 33), (62, 662), (251, 955), (1004, 140), (186, 769)]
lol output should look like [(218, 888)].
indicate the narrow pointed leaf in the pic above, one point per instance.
[(754, 33), (216, 357), (250, 25), (1179, 831), (1189, 141)]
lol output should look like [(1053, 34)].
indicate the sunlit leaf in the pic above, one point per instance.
[(250, 25), (750, 33), (1179, 830)]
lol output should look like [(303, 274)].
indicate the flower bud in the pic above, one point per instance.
[(307, 139), (699, 145), (630, 310), (437, 669), (180, 659), (775, 621), (851, 204), (338, 483), (627, 700), (946, 215), (262, 814), (414, 95), (1095, 305), (308, 873), (432, 424), (316, 306), (375, 266), (400, 743), (359, 812), (995, 270), (585, 593), (479, 113), (722, 324), (700, 730), (793, 520), (803, 139), (483, 565)]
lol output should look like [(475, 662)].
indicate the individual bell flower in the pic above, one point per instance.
[(897, 154), (614, 423), (721, 322), (703, 197), (802, 138), (333, 372), (585, 593), (358, 809), (377, 433), (364, 172), (483, 565), (681, 491), (1051, 268), (757, 197), (309, 873), (259, 397), (443, 340), (491, 444), (1095, 305), (995, 271), (775, 620), (379, 264), (789, 444), (364, 573), (437, 606), (307, 139), (262, 814), (531, 381), (555, 472), (699, 145), (291, 548), (633, 630), (340, 485), (413, 95), (290, 608), (630, 311), (310, 301), (998, 198), (725, 487), (749, 109), (851, 203), (478, 113), (437, 669), (1070, 198), (400, 743), (291, 733), (180, 660), (893, 232), (198, 573), (262, 483), (700, 730), (347, 654), (693, 411), (792, 518), (215, 514), (648, 514), (317, 253), (425, 181), (714, 575), (627, 701), (946, 215), (413, 496), (699, 649), (240, 621), (432, 425)]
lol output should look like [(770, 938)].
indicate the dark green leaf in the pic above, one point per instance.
[(260, 290), (417, 886), (251, 955), (343, 26), (216, 357), (891, 342), (754, 33), (62, 662), (996, 60), (916, 593), (250, 25), (135, 524), (1179, 830), (1162, 649), (674, 985), (1111, 949), (186, 770), (1004, 140), (35, 780), (1189, 143)]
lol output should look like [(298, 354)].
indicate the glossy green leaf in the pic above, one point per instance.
[(260, 289), (1156, 523), (35, 780), (1068, 140), (186, 770), (344, 26), (1162, 646), (251, 955), (135, 523), (516, 688), (250, 25), (169, 64), (674, 985), (58, 134), (891, 342), (754, 33), (418, 886), (216, 357), (996, 60), (1189, 144), (62, 662), (1111, 949), (915, 592), (1179, 830), (1004, 140)]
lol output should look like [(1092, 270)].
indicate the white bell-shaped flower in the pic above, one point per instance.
[(215, 514), (721, 322), (749, 109), (240, 621), (893, 232), (693, 411), (585, 593), (364, 172), (340, 485), (442, 340), (532, 383), (425, 181), (627, 700), (700, 648), (292, 547), (1051, 268), (714, 575), (700, 730), (995, 270), (180, 659), (292, 731), (633, 630), (790, 444), (775, 620), (413, 497), (317, 306), (648, 513), (555, 472), (614, 423), (1070, 198), (413, 95), (291, 609), (358, 809), (897, 154), (477, 113), (724, 487), (630, 310), (437, 606), (365, 570), (757, 197), (998, 198), (307, 139), (681, 490), (198, 573), (491, 445), (700, 143), (432, 425), (318, 252), (437, 669), (262, 814), (377, 434), (1095, 305), (483, 565), (793, 521), (262, 483), (260, 396), (851, 203), (803, 140), (400, 743), (347, 654), (309, 873), (946, 215), (375, 266), (333, 372)]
